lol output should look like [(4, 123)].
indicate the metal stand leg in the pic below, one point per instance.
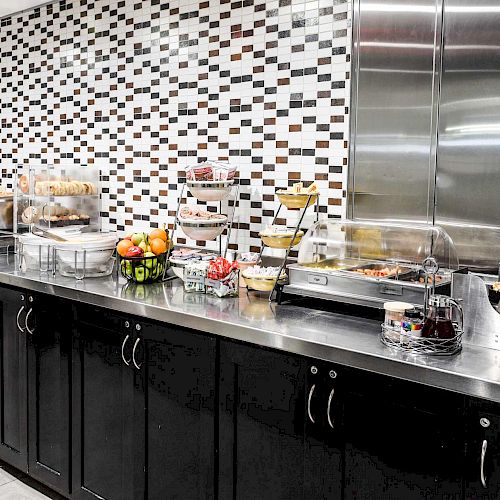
[(230, 221), (297, 227)]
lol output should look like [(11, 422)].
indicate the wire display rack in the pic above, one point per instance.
[(312, 199), (403, 341), (232, 203)]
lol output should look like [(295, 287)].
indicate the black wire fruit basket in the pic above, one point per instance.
[(144, 269)]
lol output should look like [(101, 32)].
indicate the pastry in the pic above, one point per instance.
[(29, 215), (24, 184), (196, 213)]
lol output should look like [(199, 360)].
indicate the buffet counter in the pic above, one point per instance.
[(338, 338)]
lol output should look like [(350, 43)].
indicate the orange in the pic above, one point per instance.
[(158, 233), (158, 246), (123, 246)]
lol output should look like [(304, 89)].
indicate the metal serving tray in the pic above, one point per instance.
[(403, 273), (355, 288)]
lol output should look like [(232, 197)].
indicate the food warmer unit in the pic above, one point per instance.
[(369, 263)]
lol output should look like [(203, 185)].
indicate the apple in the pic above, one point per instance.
[(141, 274), (143, 245), (157, 273), (159, 270), (137, 238), (149, 263), (126, 267), (134, 252)]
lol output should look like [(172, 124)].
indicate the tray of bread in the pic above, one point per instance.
[(54, 216), (57, 186)]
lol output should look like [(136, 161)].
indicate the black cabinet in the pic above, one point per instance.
[(403, 441), (97, 404), (13, 380), (143, 409), (102, 407), (176, 394), (482, 476), (275, 440), (324, 444), (49, 325)]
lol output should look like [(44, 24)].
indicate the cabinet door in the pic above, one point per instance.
[(13, 380), (404, 441), (483, 452), (323, 451), (272, 440), (178, 377), (102, 407), (49, 346)]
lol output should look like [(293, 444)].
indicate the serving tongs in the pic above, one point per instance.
[(60, 234)]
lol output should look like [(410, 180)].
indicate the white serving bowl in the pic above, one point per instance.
[(36, 252), (203, 229), (92, 257), (177, 266), (89, 255), (210, 190)]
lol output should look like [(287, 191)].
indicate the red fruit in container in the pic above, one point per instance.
[(134, 252)]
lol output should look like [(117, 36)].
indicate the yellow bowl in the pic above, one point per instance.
[(296, 200), (242, 266), (263, 284), (280, 241)]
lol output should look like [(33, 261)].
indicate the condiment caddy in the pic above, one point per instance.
[(435, 329)]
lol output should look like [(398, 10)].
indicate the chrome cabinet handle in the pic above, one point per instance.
[(125, 340), (483, 455), (133, 353), (29, 330), (330, 397), (309, 403), (21, 329)]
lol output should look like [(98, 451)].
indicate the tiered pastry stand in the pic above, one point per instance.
[(232, 196), (312, 199)]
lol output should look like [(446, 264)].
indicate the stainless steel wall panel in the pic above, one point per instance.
[(468, 175), (395, 49)]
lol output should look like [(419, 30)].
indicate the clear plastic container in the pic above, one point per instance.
[(35, 252), (88, 255), (49, 196)]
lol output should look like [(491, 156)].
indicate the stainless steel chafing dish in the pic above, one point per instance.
[(369, 263)]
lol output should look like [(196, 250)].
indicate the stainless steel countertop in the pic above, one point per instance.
[(337, 338)]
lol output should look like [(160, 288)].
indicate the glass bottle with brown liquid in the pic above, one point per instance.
[(438, 324)]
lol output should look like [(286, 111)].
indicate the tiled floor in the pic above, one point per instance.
[(12, 488)]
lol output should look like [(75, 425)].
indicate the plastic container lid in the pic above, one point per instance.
[(33, 239), (89, 241), (399, 307)]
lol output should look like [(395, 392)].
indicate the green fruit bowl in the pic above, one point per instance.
[(146, 269)]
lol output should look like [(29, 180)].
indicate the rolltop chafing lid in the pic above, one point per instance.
[(362, 243)]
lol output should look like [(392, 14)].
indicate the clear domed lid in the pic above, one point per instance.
[(338, 244)]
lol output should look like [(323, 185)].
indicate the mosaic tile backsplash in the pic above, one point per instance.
[(140, 89)]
